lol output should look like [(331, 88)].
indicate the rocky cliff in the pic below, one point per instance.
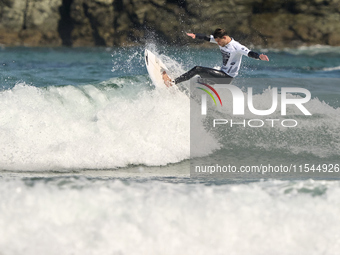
[(268, 23)]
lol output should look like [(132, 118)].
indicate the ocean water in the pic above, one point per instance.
[(95, 160)]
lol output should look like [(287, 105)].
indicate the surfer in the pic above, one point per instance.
[(232, 52)]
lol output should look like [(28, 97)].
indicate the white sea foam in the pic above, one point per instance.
[(329, 69), (306, 50), (91, 127), (104, 126), (69, 127), (111, 217)]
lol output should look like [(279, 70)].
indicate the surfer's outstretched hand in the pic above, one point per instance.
[(193, 36), (264, 57)]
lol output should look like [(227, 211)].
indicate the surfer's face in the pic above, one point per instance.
[(222, 41)]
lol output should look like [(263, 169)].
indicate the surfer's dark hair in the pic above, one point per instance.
[(219, 33)]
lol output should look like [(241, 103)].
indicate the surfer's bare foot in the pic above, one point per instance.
[(167, 80)]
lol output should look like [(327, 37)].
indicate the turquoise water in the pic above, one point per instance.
[(95, 160)]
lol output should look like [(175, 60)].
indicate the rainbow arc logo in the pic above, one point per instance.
[(209, 93)]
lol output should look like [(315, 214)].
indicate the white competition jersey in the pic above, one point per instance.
[(232, 55)]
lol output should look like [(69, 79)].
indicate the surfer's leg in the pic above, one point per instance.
[(204, 72)]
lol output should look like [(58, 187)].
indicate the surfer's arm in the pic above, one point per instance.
[(252, 54), (206, 38), (255, 55), (202, 37)]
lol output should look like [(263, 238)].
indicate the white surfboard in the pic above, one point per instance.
[(155, 68)]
